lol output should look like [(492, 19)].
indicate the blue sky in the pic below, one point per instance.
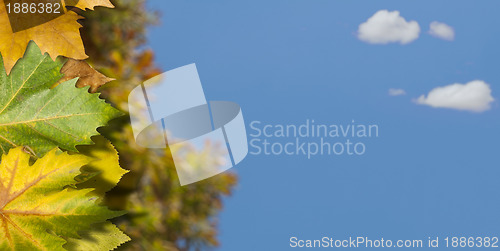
[(431, 172)]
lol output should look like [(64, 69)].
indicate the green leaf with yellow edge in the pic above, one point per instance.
[(38, 209), (32, 114), (102, 236), (106, 166), (102, 174)]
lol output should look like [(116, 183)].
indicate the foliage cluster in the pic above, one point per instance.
[(61, 169)]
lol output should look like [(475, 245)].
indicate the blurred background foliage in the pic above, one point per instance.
[(162, 215)]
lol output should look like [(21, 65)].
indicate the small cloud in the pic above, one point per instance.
[(396, 92), (442, 31), (474, 96), (388, 27)]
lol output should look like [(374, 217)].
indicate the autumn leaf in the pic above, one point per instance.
[(56, 34), (102, 236), (33, 115), (38, 207), (87, 76), (106, 165), (105, 172), (89, 4)]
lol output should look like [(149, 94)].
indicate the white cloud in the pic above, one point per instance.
[(388, 27), (442, 30), (474, 96), (396, 92)]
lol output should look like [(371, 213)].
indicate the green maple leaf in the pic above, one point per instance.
[(39, 210), (32, 114)]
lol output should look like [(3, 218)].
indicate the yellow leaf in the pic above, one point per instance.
[(102, 236), (90, 4), (37, 207), (106, 165), (60, 36)]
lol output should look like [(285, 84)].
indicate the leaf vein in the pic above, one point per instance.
[(29, 236), (46, 119), (24, 82)]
